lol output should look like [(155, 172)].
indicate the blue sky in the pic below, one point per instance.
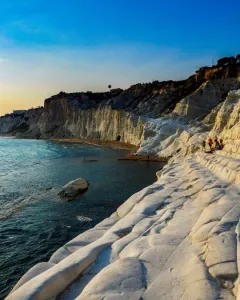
[(49, 46)]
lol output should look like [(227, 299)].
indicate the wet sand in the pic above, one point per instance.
[(120, 145), (113, 144), (131, 156)]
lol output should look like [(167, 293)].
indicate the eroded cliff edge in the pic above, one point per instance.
[(125, 114), (75, 116)]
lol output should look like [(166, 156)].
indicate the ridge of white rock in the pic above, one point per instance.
[(166, 137), (170, 136), (207, 96), (228, 115)]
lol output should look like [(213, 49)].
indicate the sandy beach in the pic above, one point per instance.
[(113, 144)]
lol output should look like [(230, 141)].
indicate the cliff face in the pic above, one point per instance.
[(228, 115), (120, 115), (64, 119), (77, 115), (205, 98), (8, 123), (18, 125), (168, 137)]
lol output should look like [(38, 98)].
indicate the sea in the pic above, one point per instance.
[(34, 220)]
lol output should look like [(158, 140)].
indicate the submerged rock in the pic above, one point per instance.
[(73, 189)]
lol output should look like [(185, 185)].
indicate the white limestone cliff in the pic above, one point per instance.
[(168, 136), (165, 137), (228, 115), (207, 96), (7, 123), (63, 120), (97, 124), (176, 239)]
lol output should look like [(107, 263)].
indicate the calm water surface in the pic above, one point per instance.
[(34, 221)]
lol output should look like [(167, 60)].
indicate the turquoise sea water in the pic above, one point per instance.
[(34, 221)]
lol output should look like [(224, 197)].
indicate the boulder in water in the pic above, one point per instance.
[(73, 189), (84, 219)]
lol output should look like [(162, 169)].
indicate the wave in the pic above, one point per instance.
[(3, 174), (13, 207)]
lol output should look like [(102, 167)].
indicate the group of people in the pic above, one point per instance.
[(213, 145)]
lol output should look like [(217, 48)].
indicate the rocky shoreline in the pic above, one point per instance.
[(178, 238), (172, 238)]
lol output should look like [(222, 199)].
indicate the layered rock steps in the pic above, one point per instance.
[(176, 239)]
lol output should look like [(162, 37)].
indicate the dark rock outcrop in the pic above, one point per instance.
[(73, 189)]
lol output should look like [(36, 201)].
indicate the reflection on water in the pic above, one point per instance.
[(34, 222)]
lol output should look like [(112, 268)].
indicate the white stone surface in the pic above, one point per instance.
[(123, 279), (205, 98), (177, 239), (171, 135)]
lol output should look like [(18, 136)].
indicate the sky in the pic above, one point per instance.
[(48, 46)]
